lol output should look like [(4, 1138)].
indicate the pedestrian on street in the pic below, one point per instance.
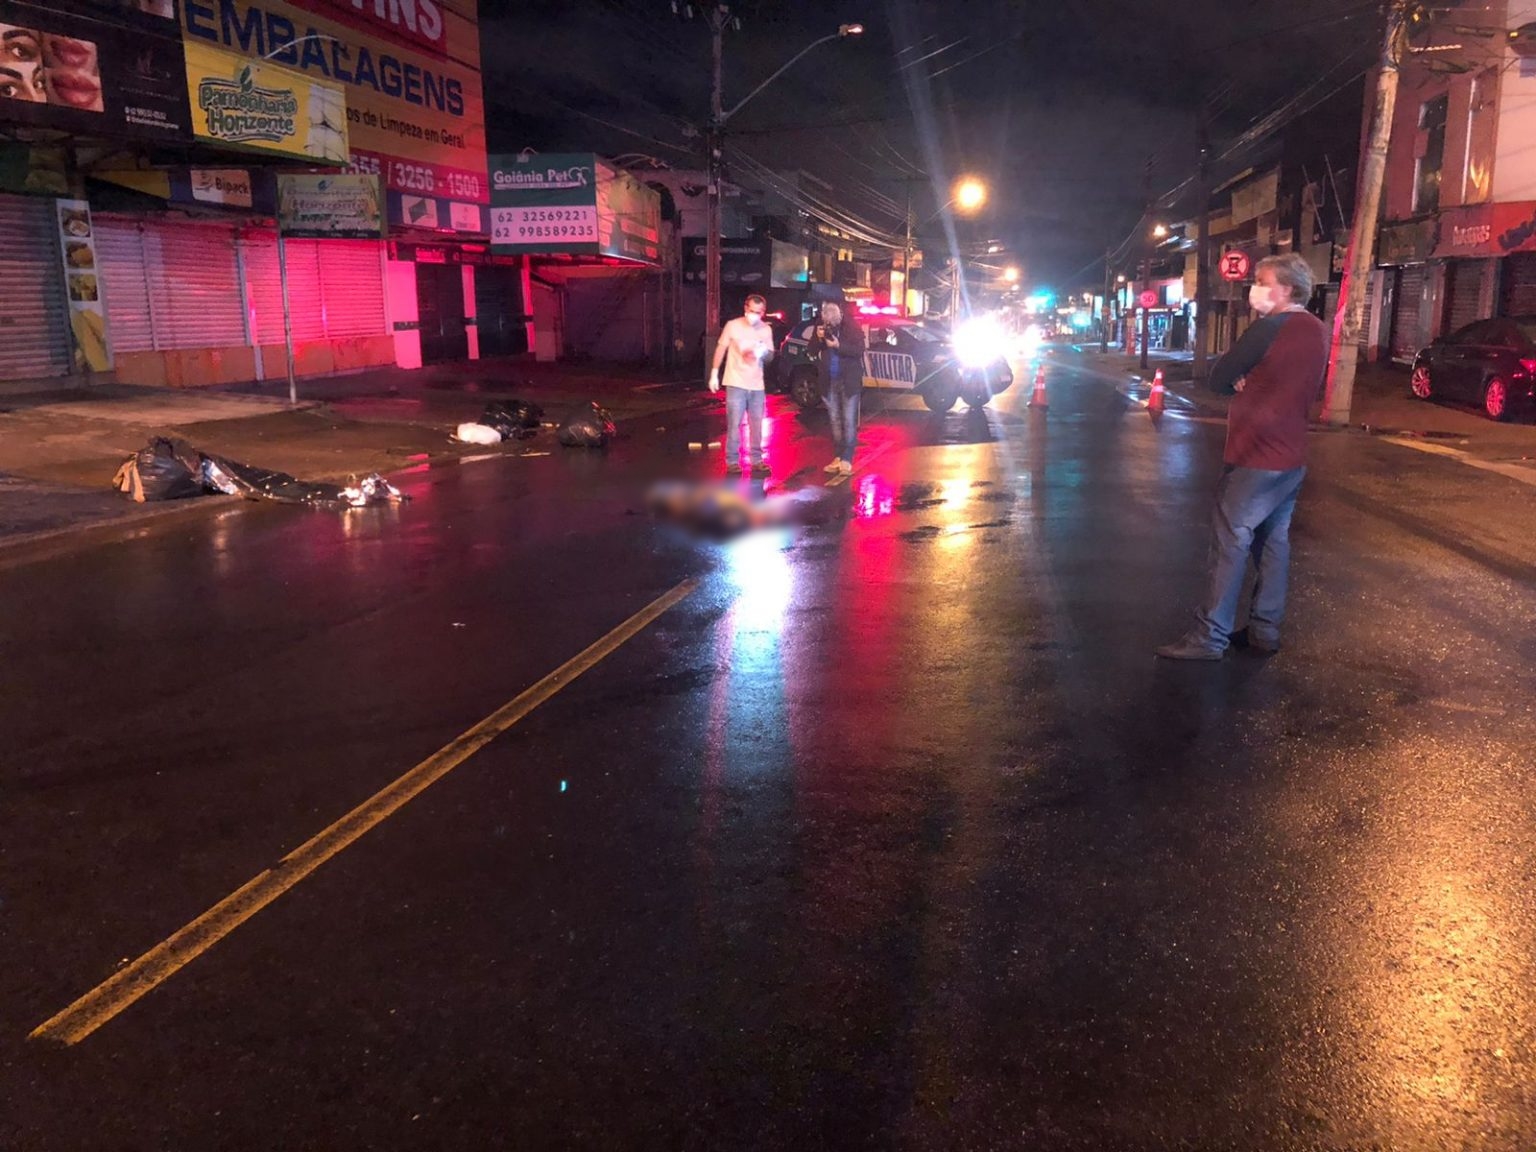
[(1273, 374), (745, 345), (838, 346)]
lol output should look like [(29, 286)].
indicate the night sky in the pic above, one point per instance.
[(1057, 105)]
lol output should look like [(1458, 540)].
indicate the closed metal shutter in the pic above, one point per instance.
[(335, 288), (1407, 329), (34, 324), (171, 285), (264, 289), (351, 287), (194, 282), (1519, 290), (1463, 293), (120, 252)]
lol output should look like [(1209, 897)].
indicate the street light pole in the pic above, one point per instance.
[(1201, 330), (1109, 286), (719, 17)]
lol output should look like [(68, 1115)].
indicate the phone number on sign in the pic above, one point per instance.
[(525, 225), (421, 178)]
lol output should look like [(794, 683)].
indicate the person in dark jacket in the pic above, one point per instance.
[(838, 345), (1273, 374)]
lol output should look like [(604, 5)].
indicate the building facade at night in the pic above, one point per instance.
[(143, 180), (1458, 239)]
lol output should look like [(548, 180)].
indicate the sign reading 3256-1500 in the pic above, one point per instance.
[(525, 225)]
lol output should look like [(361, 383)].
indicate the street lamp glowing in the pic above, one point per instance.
[(970, 194), (850, 29), (1011, 275), (1160, 231)]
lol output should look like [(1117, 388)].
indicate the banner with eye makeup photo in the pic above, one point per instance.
[(92, 77)]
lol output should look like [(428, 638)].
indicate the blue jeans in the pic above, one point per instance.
[(843, 410), (1252, 519), (748, 403)]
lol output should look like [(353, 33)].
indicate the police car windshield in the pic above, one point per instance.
[(922, 335)]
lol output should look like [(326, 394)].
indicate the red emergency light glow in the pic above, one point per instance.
[(879, 310)]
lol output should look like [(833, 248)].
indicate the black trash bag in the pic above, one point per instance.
[(514, 419), (592, 428), (164, 469), (264, 484)]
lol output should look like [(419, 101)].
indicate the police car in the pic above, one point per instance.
[(904, 356)]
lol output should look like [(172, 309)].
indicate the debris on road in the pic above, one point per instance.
[(502, 420), (592, 428), (514, 419), (253, 483), (166, 469), (476, 434)]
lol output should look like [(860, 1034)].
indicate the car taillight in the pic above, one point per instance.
[(1529, 364)]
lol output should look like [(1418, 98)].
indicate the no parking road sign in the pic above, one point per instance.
[(1235, 265)]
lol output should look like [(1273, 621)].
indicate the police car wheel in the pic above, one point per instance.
[(939, 399), (803, 390)]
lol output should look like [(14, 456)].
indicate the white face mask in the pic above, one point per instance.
[(755, 319), (1260, 300)]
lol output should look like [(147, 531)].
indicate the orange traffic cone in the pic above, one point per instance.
[(1155, 398), (1037, 397)]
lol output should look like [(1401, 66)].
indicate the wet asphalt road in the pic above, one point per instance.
[(892, 834)]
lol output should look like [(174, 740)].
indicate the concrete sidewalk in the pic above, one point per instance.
[(60, 449), (1382, 405)]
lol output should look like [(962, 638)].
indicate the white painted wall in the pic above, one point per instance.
[(401, 287), (472, 330), (1514, 170)]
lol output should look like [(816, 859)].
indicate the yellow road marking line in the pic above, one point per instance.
[(165, 959)]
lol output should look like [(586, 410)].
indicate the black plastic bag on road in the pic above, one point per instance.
[(592, 428), (236, 479), (514, 419), (164, 469)]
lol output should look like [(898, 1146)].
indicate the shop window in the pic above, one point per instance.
[(1426, 184)]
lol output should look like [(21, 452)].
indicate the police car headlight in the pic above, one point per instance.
[(979, 342)]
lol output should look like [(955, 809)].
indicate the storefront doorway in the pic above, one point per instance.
[(499, 315), (440, 309)]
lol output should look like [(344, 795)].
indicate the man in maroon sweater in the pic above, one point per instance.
[(1272, 374)]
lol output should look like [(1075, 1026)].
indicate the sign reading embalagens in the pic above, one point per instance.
[(238, 112)]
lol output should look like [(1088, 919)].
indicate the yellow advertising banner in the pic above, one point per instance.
[(410, 70), (251, 104)]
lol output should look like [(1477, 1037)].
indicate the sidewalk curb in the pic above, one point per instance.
[(153, 515)]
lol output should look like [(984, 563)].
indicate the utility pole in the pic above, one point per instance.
[(719, 16), (1109, 286), (1146, 270), (1201, 330), (1344, 356), (906, 256)]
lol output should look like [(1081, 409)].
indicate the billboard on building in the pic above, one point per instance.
[(764, 263), (346, 206), (104, 78), (572, 203), (242, 103), (410, 70)]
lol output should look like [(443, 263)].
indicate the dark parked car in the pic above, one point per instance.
[(1491, 363)]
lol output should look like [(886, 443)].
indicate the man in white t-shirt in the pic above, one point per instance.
[(746, 344)]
